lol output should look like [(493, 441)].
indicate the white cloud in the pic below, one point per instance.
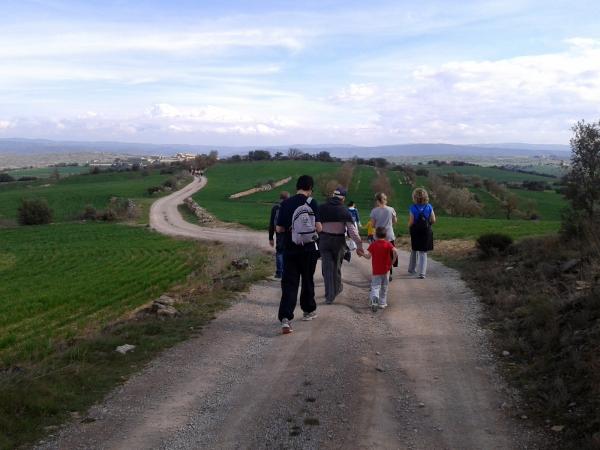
[(528, 98), (136, 40), (5, 125), (356, 92)]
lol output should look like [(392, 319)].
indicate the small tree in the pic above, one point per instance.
[(6, 178), (294, 153), (34, 212), (583, 180), (510, 204)]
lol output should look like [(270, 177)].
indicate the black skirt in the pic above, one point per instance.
[(421, 240)]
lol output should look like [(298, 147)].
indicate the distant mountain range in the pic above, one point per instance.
[(32, 147)]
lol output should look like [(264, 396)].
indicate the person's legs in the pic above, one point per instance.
[(279, 247), (422, 263), (327, 267), (278, 264), (307, 265), (289, 286), (338, 255), (412, 263), (376, 287), (383, 291)]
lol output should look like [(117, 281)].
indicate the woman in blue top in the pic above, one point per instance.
[(420, 219)]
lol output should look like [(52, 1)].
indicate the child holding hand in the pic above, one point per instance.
[(382, 255)]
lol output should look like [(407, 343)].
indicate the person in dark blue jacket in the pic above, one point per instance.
[(276, 239)]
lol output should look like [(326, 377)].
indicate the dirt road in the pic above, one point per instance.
[(165, 218), (417, 375)]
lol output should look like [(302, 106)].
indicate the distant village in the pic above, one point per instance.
[(124, 163)]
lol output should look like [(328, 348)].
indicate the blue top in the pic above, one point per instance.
[(354, 213), (415, 210)]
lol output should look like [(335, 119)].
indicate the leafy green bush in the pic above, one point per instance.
[(493, 243), (34, 212)]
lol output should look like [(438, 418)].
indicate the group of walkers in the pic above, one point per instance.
[(303, 231)]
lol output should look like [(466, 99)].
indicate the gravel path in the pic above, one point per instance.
[(417, 375)]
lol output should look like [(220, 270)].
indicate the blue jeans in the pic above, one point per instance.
[(279, 263)]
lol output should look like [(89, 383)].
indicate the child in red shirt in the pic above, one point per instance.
[(382, 254)]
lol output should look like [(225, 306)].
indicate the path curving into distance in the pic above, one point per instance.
[(165, 218), (417, 375)]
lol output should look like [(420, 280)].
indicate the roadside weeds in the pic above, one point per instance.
[(542, 305)]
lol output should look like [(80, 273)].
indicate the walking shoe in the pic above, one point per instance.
[(309, 316), (286, 326), (382, 305), (421, 276), (374, 302), (277, 275), (390, 279), (412, 272)]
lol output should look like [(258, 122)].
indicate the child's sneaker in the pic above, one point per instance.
[(309, 316), (286, 327), (374, 303)]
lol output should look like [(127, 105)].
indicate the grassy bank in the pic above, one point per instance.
[(66, 305), (67, 278)]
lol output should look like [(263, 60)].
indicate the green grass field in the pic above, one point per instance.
[(46, 172), (70, 195), (60, 280), (361, 192), (491, 173), (402, 195), (549, 204), (254, 210), (449, 227)]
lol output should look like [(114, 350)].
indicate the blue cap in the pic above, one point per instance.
[(340, 192)]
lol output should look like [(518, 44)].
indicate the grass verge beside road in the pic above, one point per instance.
[(59, 338)]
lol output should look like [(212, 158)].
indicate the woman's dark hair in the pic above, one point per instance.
[(351, 203), (305, 183)]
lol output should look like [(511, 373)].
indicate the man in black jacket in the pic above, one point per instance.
[(299, 261), (278, 241)]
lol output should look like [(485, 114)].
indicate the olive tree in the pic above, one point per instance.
[(583, 180)]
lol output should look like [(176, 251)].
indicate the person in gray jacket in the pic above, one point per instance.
[(336, 221)]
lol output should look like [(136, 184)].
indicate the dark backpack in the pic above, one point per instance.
[(421, 223)]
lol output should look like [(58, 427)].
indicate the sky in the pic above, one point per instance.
[(302, 72)]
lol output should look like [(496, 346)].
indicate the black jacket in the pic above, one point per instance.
[(333, 210)]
